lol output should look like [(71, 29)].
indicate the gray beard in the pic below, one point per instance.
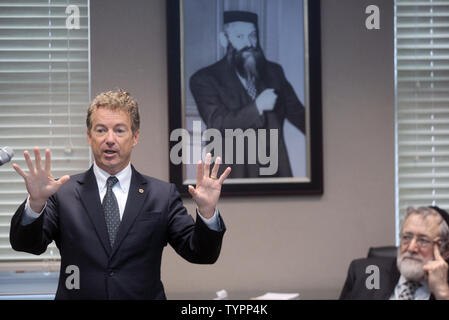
[(411, 269), (249, 63)]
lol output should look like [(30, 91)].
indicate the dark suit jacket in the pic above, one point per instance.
[(355, 285), (74, 219), (224, 103)]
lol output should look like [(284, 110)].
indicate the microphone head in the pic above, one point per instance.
[(6, 155)]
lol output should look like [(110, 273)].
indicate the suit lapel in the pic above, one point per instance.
[(137, 194), (90, 198), (392, 274)]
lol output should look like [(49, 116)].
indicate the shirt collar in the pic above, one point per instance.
[(124, 177)]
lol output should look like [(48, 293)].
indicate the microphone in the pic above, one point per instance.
[(6, 155)]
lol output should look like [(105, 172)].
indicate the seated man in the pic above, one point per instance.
[(418, 273)]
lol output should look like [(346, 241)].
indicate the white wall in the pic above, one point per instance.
[(289, 243)]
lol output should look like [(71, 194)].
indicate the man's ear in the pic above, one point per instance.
[(223, 40), (136, 137), (88, 136)]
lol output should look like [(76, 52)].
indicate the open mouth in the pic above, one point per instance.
[(110, 152)]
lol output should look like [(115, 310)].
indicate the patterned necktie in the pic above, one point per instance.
[(408, 290), (111, 210), (251, 89)]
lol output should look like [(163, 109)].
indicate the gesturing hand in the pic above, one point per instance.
[(436, 271), (39, 182), (208, 189)]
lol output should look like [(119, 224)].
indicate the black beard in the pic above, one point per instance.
[(249, 62)]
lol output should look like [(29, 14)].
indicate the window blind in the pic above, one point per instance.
[(422, 104), (44, 94)]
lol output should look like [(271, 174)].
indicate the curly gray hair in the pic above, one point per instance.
[(444, 228)]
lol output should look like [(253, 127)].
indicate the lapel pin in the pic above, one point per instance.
[(141, 191)]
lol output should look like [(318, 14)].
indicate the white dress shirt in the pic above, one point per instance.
[(120, 190)]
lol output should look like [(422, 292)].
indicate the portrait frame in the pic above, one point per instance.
[(312, 184)]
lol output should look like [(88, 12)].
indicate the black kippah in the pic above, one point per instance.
[(443, 213), (242, 16)]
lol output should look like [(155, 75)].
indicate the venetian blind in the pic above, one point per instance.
[(422, 104), (44, 93)]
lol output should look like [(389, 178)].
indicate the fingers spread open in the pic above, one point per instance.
[(192, 191), (19, 170), (63, 179), (214, 172), (30, 165), (199, 172), (207, 166), (37, 158), (47, 160), (224, 175)]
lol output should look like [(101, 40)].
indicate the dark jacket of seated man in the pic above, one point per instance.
[(420, 271), (361, 282)]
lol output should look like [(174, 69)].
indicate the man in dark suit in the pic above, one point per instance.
[(111, 223), (419, 272), (245, 91)]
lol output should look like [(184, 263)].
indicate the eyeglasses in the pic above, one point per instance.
[(422, 241)]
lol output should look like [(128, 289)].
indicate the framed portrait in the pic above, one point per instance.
[(244, 81)]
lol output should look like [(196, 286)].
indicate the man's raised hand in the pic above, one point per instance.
[(208, 186), (39, 182), (436, 271)]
